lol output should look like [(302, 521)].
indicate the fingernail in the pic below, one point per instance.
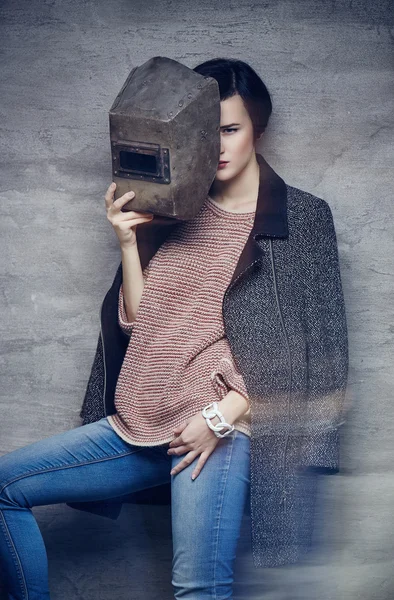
[(171, 472), (193, 477)]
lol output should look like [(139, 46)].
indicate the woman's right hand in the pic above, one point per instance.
[(124, 223)]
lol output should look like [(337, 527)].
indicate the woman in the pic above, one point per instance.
[(220, 370)]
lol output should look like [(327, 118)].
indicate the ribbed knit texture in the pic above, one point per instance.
[(178, 359)]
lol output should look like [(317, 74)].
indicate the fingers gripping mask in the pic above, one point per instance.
[(165, 138)]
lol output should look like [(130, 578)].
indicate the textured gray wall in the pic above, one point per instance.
[(328, 65)]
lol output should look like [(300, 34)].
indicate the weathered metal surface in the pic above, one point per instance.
[(165, 138)]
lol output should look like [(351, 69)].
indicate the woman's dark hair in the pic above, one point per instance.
[(237, 77)]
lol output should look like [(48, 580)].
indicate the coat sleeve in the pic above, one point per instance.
[(327, 346), (93, 407), (99, 395)]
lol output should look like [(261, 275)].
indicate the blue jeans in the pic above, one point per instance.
[(92, 462)]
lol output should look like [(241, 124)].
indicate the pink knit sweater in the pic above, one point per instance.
[(178, 359)]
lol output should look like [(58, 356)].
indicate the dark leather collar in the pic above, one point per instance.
[(270, 217), (271, 210)]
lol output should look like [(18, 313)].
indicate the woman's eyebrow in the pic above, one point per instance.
[(231, 124)]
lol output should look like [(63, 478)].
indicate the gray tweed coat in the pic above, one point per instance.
[(285, 321)]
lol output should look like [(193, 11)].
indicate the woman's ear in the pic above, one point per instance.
[(258, 136)]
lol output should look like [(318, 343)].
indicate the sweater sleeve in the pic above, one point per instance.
[(226, 376), (124, 324)]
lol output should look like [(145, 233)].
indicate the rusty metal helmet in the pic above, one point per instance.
[(165, 138)]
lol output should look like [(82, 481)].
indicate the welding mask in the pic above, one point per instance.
[(165, 138)]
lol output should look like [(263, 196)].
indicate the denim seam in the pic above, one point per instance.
[(14, 554), (227, 465), (38, 472), (77, 464)]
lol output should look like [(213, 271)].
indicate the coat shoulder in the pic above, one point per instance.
[(303, 200), (308, 210)]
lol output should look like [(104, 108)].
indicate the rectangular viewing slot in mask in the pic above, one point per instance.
[(148, 162)]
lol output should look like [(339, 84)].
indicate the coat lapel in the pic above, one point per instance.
[(270, 218)]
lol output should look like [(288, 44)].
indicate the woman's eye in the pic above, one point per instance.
[(230, 129)]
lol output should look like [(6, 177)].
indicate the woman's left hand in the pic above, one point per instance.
[(195, 438)]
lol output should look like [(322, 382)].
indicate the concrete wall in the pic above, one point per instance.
[(328, 65)]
